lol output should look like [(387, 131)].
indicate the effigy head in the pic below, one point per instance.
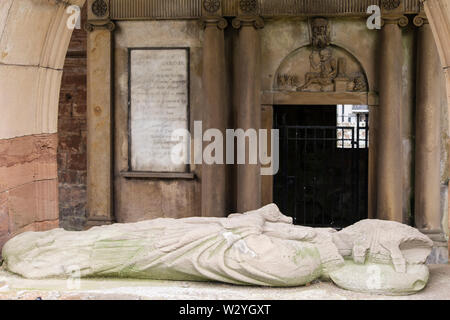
[(382, 256), (387, 242)]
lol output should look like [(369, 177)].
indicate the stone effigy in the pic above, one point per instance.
[(260, 247)]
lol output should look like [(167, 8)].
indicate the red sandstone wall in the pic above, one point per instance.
[(33, 34), (72, 133), (28, 185)]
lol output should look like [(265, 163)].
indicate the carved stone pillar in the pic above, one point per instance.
[(213, 176), (248, 108), (389, 134), (428, 104), (99, 115)]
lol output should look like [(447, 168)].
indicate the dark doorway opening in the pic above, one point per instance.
[(323, 175)]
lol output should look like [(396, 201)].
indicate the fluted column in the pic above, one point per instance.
[(248, 108), (213, 176), (389, 153), (428, 104)]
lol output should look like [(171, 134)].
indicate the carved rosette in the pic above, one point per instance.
[(248, 6), (211, 6), (390, 4), (99, 8)]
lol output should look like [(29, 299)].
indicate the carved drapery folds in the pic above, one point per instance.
[(321, 66)]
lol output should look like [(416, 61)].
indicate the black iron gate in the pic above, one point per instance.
[(323, 175)]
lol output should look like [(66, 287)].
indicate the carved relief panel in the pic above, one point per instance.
[(320, 66)]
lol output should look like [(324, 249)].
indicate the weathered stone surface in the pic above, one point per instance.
[(140, 199), (159, 106), (16, 287), (28, 183), (72, 134), (380, 278), (27, 159), (260, 247)]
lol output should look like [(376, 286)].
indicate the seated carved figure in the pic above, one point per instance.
[(327, 70), (260, 247)]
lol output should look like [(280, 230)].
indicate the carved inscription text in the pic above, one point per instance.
[(158, 106)]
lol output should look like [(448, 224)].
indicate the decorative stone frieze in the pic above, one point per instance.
[(184, 9)]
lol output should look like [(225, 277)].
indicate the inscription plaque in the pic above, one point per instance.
[(158, 100)]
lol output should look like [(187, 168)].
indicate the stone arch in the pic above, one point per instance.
[(438, 14), (34, 38)]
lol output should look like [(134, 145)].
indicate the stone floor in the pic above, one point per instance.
[(14, 287)]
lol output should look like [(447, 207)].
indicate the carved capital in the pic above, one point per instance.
[(213, 21), (94, 25), (420, 20), (401, 21), (255, 21)]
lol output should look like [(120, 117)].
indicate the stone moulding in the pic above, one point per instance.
[(192, 9)]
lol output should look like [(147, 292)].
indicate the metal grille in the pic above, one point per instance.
[(320, 183)]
